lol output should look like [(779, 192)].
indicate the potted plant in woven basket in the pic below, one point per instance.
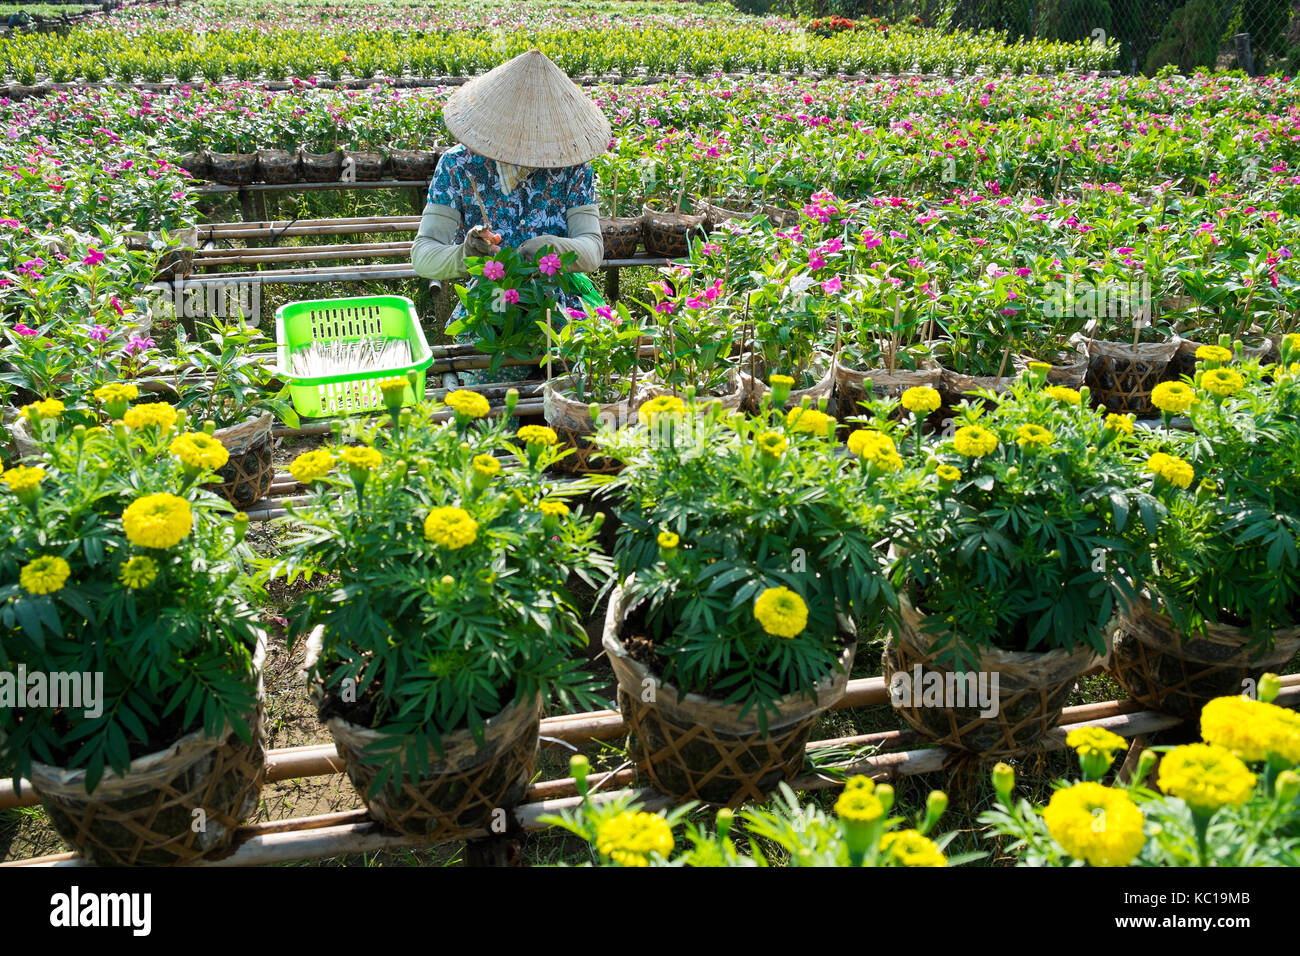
[(225, 377), (1223, 605), (621, 234), (232, 152), (123, 574), (745, 544), (450, 625), (1018, 539), (597, 350), (696, 334)]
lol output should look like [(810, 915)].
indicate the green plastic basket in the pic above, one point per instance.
[(299, 324)]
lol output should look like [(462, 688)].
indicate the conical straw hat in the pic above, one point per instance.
[(528, 113)]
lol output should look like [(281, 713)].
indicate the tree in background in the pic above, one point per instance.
[(1190, 38)]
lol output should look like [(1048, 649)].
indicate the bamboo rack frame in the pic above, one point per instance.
[(348, 832)]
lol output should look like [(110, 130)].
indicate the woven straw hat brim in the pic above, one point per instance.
[(529, 113)]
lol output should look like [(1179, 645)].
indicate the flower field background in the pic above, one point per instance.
[(979, 192)]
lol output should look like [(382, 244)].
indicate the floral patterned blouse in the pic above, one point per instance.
[(539, 206)]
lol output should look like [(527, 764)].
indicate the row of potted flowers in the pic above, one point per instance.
[(1034, 542)]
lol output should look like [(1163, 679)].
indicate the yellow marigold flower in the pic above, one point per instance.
[(46, 408), (1213, 353), (781, 611), (1172, 469), (889, 461), (157, 521), (668, 540), (361, 457), (199, 450), (1066, 396), (486, 466), (1252, 729), (160, 415), (537, 435), (139, 572), (947, 473), (663, 405), (45, 575), (116, 392), (1086, 741), (1095, 823), (1039, 366), (921, 400), (871, 445), (311, 465), (778, 379), (1119, 423), (392, 388), (23, 478), (450, 528), (1173, 397), (553, 509), (1223, 382), (911, 848), (807, 421), (467, 404), (1034, 435), (632, 838), (771, 443), (1206, 777), (974, 441), (859, 806)]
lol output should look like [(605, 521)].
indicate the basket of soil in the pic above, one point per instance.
[(715, 215), (1121, 375), (147, 816), (1032, 688), (460, 787), (622, 236), (413, 164), (1178, 674), (196, 163), (668, 234), (233, 169), (1069, 367), (178, 258), (754, 375), (730, 394), (246, 477), (322, 167), (851, 385), (278, 166), (572, 423), (370, 166), (692, 747)]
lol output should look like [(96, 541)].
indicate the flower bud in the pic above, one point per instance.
[(885, 794), (512, 399), (594, 411), (580, 766), (725, 818), (1270, 685), (780, 386), (209, 427), (935, 805), (1146, 763), (1004, 778), (1287, 786), (241, 525)]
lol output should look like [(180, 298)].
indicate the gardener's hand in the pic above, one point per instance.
[(529, 248), (482, 241)]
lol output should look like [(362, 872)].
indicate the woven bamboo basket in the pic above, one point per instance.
[(463, 786), (693, 748), (1069, 368), (246, 478), (571, 420), (1121, 376), (731, 396), (1032, 689), (196, 163), (954, 387), (622, 236), (412, 164), (147, 817), (715, 215), (370, 165), (278, 166), (322, 167), (755, 382), (233, 169), (668, 234), (1184, 360), (1168, 671), (850, 385)]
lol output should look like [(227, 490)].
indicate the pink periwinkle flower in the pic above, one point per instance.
[(494, 270), (99, 333), (93, 257), (22, 329), (549, 264), (832, 285), (138, 344), (511, 296)]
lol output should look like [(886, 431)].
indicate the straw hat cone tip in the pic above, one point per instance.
[(529, 113)]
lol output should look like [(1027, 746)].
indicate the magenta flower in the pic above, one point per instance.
[(665, 308), (99, 333), (606, 313), (832, 285), (137, 344), (25, 329), (116, 305), (494, 270), (576, 314), (511, 296), (815, 261), (549, 264), (93, 257)]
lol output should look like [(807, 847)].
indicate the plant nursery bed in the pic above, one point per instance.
[(336, 834)]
